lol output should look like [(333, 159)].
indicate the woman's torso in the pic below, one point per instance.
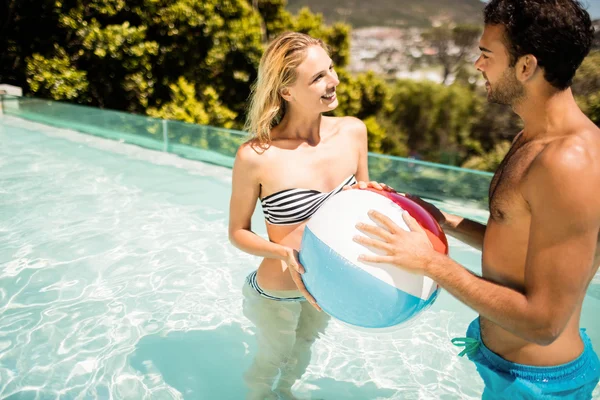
[(294, 164)]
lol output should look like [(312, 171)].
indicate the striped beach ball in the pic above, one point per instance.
[(361, 294)]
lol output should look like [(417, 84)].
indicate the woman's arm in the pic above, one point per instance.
[(245, 190)]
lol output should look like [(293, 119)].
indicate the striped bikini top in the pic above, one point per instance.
[(292, 206)]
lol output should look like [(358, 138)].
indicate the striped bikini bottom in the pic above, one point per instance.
[(271, 295)]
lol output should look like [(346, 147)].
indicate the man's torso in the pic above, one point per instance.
[(505, 252)]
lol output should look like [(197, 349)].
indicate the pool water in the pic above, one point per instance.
[(117, 280)]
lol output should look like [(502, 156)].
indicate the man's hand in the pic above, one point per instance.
[(296, 269), (410, 250)]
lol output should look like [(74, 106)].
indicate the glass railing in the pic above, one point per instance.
[(218, 146)]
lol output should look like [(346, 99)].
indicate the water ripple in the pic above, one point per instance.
[(107, 245)]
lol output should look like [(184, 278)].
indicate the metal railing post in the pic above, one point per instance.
[(165, 130)]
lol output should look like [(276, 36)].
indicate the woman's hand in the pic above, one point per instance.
[(371, 184), (440, 216), (296, 269)]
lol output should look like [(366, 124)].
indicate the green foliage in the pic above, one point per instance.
[(276, 19), (593, 108), (395, 140), (586, 86), (55, 77), (367, 97), (436, 118), (587, 79), (210, 43), (130, 55), (185, 106), (126, 55), (487, 161), (338, 39), (376, 134), (362, 95), (336, 36)]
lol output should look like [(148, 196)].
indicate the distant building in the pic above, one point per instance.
[(390, 52)]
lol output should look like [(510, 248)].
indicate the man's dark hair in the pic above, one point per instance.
[(559, 33)]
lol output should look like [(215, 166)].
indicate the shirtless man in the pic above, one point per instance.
[(540, 246)]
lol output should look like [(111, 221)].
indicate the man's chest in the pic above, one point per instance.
[(505, 196)]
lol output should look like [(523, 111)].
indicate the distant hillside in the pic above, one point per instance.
[(394, 13)]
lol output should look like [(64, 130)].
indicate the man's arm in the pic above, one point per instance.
[(463, 229), (561, 192)]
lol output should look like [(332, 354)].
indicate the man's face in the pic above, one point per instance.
[(502, 84)]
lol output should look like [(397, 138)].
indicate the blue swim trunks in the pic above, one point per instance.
[(506, 380)]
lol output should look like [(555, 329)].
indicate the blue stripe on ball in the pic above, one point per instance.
[(350, 294)]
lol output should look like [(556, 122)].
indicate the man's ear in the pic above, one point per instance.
[(286, 94), (526, 67)]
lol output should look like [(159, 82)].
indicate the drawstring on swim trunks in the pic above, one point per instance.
[(471, 345)]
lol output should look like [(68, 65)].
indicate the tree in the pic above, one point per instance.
[(437, 119), (126, 55), (586, 86), (276, 19), (56, 77), (452, 45), (211, 43), (143, 55), (367, 97), (186, 106), (337, 36), (487, 161)]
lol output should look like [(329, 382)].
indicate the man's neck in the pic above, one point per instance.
[(547, 114)]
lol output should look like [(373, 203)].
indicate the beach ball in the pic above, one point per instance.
[(362, 294)]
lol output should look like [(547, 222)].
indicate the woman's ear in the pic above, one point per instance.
[(286, 94)]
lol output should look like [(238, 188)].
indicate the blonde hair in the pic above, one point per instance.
[(277, 69)]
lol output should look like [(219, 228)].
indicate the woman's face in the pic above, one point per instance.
[(316, 81)]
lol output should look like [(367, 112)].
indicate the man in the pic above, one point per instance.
[(540, 246)]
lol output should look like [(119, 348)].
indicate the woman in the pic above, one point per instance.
[(295, 160)]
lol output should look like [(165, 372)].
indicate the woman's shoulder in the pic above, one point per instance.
[(252, 153), (347, 123), (350, 125)]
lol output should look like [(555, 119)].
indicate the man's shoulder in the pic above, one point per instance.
[(567, 167), (575, 153)]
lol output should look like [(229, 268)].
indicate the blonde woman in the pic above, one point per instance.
[(295, 160)]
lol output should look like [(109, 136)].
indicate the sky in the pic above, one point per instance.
[(594, 8)]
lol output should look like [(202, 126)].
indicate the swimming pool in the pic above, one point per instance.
[(117, 280)]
